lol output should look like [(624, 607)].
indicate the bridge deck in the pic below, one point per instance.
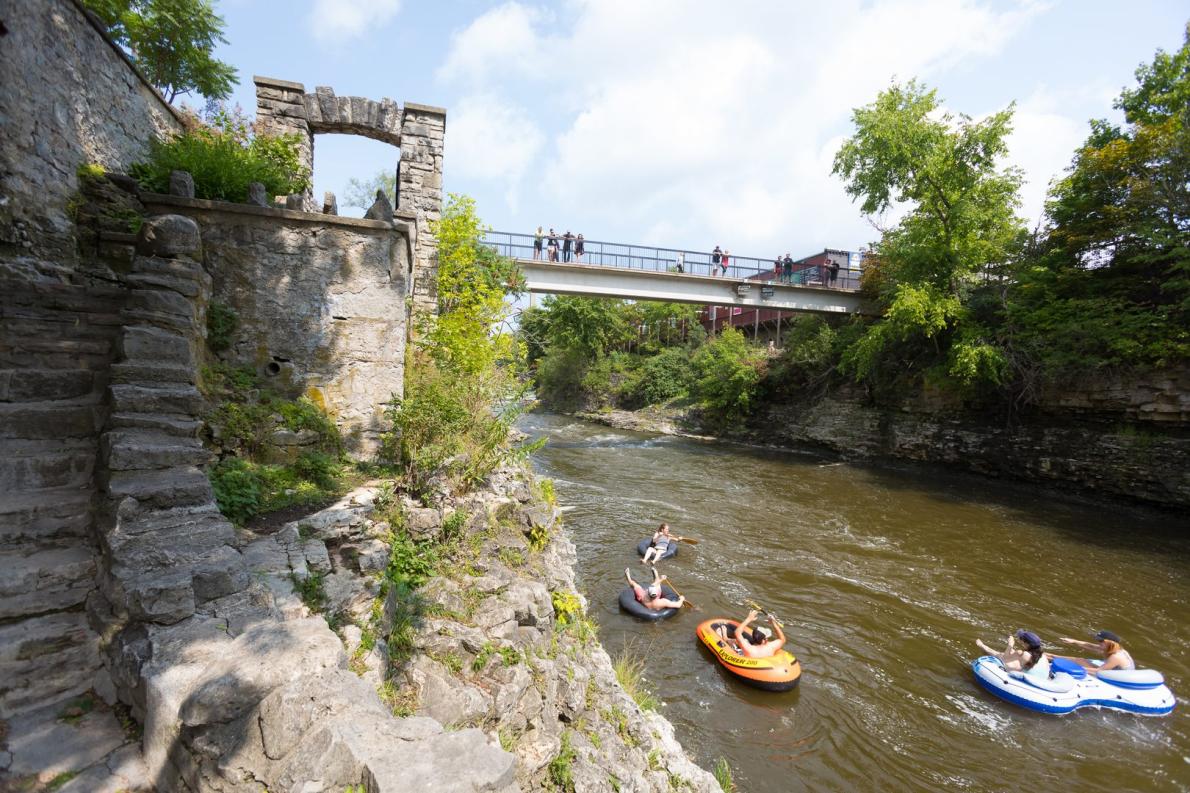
[(592, 280)]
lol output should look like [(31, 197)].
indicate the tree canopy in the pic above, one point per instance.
[(172, 42), (960, 221)]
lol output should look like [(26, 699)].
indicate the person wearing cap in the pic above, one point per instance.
[(759, 642), (652, 598), (1109, 644), (1016, 659)]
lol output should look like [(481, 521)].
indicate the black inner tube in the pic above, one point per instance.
[(629, 603), (671, 551)]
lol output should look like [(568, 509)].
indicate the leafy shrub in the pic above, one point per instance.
[(319, 468), (727, 372), (238, 489), (222, 323), (560, 378), (224, 158), (660, 378)]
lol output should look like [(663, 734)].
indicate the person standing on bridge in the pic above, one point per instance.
[(834, 272), (787, 266), (579, 249), (552, 246), (538, 238), (777, 268), (716, 255), (680, 262), (725, 261), (567, 243)]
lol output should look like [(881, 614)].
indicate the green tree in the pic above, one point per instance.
[(459, 401), (1109, 282), (592, 326), (172, 42), (960, 222), (727, 371), (473, 281), (361, 193)]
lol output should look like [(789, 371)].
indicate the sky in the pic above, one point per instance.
[(692, 123)]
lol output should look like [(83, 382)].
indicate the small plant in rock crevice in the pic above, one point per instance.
[(630, 670), (560, 771)]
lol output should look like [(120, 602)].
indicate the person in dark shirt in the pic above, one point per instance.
[(579, 249), (567, 243), (715, 256), (552, 245), (787, 266), (834, 272)]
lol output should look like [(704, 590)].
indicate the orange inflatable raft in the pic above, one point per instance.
[(778, 673)]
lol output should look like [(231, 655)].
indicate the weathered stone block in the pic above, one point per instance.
[(169, 236), (156, 345), (257, 195), (181, 183)]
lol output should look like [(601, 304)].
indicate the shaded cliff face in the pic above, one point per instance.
[(1123, 439)]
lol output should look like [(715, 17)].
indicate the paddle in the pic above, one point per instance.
[(679, 594), (752, 604), (688, 540)]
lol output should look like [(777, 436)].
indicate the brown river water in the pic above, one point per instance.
[(884, 578)]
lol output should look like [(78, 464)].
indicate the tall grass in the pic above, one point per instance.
[(630, 671), (722, 774)]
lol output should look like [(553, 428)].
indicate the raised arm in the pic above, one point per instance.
[(1080, 643), (779, 642)]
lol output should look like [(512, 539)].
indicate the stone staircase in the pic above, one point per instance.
[(56, 345)]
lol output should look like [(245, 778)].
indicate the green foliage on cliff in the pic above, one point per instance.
[(243, 417), (961, 223), (1107, 285), (461, 396), (224, 156), (727, 370), (172, 42)]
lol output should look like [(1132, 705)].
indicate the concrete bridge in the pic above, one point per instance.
[(635, 272)]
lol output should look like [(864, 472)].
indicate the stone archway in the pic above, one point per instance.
[(284, 107)]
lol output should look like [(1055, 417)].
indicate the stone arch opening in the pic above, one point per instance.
[(284, 107), (345, 157)]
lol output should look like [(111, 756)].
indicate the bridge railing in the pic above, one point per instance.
[(645, 257)]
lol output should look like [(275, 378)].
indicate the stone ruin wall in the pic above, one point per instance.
[(67, 96), (321, 304), (284, 107)]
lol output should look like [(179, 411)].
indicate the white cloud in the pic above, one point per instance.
[(491, 140), (1042, 144), (700, 122), (336, 22), (501, 41)]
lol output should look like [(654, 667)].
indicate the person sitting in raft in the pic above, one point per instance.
[(1114, 656), (651, 598), (658, 545), (1014, 659), (756, 643)]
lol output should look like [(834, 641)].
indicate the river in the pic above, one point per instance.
[(884, 578)]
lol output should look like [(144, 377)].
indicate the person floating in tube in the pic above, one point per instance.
[(652, 598), (658, 546), (1109, 644), (1016, 659)]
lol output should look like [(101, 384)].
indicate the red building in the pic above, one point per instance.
[(811, 270)]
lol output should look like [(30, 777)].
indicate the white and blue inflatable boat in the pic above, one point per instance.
[(1062, 686)]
